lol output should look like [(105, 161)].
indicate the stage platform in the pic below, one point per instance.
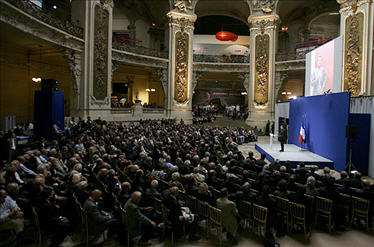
[(294, 155)]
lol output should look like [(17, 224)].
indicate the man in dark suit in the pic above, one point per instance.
[(98, 220), (138, 223), (282, 137), (51, 220)]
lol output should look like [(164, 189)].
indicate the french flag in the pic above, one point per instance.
[(302, 133)]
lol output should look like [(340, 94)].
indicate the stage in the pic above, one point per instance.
[(293, 154)]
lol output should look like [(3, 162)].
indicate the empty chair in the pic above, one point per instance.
[(345, 202), (324, 210), (245, 212), (259, 219), (216, 221), (360, 209), (202, 211), (297, 216), (283, 208)]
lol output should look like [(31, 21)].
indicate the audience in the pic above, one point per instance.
[(98, 163)]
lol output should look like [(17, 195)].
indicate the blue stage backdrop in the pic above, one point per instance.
[(325, 118), (48, 109), (360, 145)]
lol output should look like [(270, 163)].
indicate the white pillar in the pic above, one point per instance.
[(181, 26), (356, 24)]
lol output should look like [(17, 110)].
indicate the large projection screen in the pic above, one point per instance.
[(324, 68)]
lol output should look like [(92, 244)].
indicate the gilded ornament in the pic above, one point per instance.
[(181, 67), (261, 69), (353, 54), (100, 53)]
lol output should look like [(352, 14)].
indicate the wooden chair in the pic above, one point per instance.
[(38, 232), (157, 203), (360, 209), (245, 212), (283, 208), (166, 223), (259, 219), (216, 221), (310, 208), (83, 220), (297, 212), (202, 211), (124, 222), (345, 201), (324, 210)]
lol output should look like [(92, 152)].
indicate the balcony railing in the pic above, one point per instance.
[(221, 58), (47, 17), (123, 46), (286, 57)]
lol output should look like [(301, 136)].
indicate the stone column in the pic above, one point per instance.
[(75, 67), (95, 17), (181, 26), (263, 28), (163, 75), (356, 24)]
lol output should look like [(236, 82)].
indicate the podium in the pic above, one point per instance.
[(271, 140)]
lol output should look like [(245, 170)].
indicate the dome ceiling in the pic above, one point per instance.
[(289, 10)]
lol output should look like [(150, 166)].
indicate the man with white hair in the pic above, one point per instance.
[(138, 223)]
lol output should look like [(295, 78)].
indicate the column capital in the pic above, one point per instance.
[(260, 7), (182, 20), (263, 22), (107, 3), (347, 5)]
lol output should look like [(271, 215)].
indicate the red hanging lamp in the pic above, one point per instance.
[(226, 36)]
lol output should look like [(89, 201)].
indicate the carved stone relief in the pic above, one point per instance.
[(75, 67), (264, 6), (100, 53), (181, 67), (163, 75), (353, 53), (261, 69)]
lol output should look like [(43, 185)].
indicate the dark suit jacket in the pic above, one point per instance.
[(283, 135), (95, 218), (135, 218), (175, 209)]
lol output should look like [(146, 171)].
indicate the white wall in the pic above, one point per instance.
[(120, 21)]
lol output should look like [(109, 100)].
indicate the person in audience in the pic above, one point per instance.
[(311, 186), (11, 216), (229, 215), (138, 223), (50, 218), (98, 220)]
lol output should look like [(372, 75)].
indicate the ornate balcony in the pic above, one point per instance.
[(220, 59), (49, 18), (123, 46)]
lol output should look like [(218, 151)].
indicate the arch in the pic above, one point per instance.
[(312, 19)]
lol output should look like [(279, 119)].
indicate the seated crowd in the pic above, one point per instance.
[(105, 167)]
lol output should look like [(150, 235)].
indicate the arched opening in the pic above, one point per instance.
[(136, 83), (25, 57), (221, 89)]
